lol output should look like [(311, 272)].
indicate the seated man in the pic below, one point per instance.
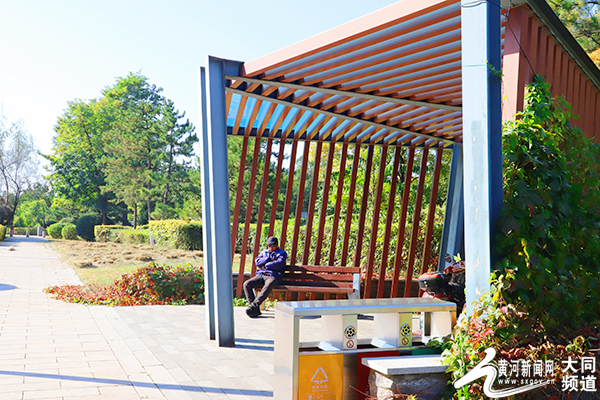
[(270, 265)]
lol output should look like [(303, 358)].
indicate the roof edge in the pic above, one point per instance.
[(566, 39), (373, 21)]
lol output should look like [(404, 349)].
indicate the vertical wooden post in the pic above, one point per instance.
[(431, 212), (350, 206), (375, 223), (388, 222), (402, 223)]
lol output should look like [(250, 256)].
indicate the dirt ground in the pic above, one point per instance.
[(102, 263)]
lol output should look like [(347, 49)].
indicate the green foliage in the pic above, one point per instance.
[(177, 234), (107, 233), (85, 226), (581, 17), (69, 232), (33, 212), (55, 230), (3, 232), (147, 147), (153, 284), (133, 236), (23, 231), (514, 334), (550, 220)]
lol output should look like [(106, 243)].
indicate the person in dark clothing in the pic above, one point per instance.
[(270, 265)]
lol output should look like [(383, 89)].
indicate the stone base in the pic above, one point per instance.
[(423, 386)]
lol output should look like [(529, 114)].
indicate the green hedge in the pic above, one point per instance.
[(3, 232), (132, 236), (54, 230), (108, 233), (69, 232), (177, 234)]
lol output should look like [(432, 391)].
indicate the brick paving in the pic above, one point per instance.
[(50, 349)]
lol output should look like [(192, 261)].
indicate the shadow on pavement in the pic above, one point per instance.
[(22, 239), (186, 388)]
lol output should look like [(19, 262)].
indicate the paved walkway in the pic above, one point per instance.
[(50, 349)]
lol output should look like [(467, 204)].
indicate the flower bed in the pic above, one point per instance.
[(152, 284)]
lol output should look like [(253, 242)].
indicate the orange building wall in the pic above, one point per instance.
[(539, 52)]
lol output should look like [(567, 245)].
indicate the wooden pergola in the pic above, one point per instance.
[(403, 85)]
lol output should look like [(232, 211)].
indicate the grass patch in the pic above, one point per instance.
[(102, 263)]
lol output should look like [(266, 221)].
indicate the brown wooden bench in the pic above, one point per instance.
[(321, 279)]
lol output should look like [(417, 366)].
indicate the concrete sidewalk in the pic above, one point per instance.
[(50, 349)]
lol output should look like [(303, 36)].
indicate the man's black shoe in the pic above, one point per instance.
[(253, 311)]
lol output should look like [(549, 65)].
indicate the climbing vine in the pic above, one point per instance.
[(550, 222)]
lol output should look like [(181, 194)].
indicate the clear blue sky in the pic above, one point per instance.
[(55, 51)]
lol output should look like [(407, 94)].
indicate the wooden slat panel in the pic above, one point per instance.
[(338, 203), (375, 222), (240, 113), (350, 205), (415, 226), (311, 285), (363, 212), (263, 198), (431, 212), (238, 196), (288, 195), (323, 268), (311, 203), (278, 174), (299, 201), (388, 220), (402, 223), (324, 202), (248, 217), (319, 277)]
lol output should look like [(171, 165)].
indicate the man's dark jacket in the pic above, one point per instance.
[(271, 263)]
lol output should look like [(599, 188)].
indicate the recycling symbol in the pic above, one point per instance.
[(350, 332)]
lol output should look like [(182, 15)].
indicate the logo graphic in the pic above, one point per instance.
[(490, 372), (350, 344), (320, 377)]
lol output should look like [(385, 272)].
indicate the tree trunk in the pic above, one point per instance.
[(135, 216), (149, 210)]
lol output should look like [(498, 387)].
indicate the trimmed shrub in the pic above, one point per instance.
[(3, 231), (54, 230), (85, 226), (69, 232), (177, 234), (133, 236), (108, 233)]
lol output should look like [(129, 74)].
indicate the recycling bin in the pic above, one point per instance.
[(329, 369)]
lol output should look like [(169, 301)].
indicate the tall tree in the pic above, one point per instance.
[(18, 166), (76, 160), (148, 149)]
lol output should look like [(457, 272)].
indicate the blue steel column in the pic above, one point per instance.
[(482, 139), (454, 219), (209, 291), (219, 200)]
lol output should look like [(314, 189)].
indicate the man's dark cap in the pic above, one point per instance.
[(272, 241)]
